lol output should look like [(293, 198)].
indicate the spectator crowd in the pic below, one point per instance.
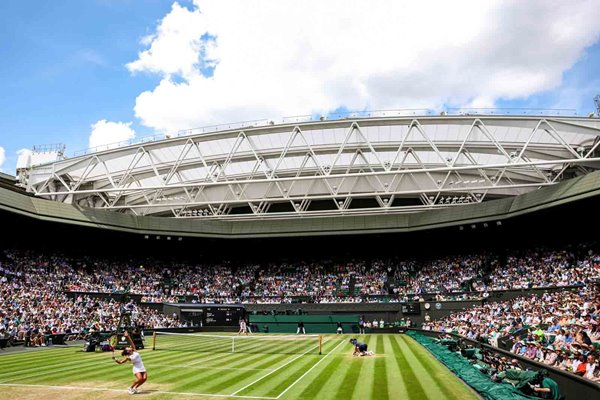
[(33, 304), (560, 329), (391, 280), (49, 293)]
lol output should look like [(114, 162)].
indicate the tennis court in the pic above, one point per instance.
[(185, 367)]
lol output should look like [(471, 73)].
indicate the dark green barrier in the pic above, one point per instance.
[(467, 372), (307, 319), (312, 323), (573, 387)]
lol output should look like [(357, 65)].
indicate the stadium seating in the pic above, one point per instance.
[(44, 295)]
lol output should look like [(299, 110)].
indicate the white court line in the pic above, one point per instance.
[(313, 367), (272, 372), (149, 391)]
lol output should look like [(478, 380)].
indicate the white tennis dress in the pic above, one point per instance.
[(138, 365)]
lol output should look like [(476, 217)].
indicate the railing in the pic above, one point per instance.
[(494, 295), (48, 148), (334, 116)]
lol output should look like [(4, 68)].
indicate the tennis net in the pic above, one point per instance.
[(272, 344)]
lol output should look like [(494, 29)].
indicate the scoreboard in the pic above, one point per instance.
[(212, 315), (411, 308), (223, 316)]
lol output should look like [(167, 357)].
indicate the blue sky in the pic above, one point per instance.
[(65, 65), (62, 68)]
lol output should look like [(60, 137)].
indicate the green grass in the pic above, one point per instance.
[(191, 368)]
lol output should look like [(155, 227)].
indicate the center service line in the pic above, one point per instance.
[(275, 370), (311, 368)]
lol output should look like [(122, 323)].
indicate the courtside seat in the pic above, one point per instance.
[(57, 338)]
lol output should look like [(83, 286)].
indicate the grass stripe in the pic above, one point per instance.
[(323, 379), (310, 370), (380, 384), (270, 374), (430, 386), (221, 379), (411, 382), (286, 378), (402, 369), (396, 386), (350, 380), (439, 372), (365, 378)]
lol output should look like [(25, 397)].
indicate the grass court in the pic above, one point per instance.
[(198, 369)]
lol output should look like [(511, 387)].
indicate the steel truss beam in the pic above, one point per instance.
[(187, 177)]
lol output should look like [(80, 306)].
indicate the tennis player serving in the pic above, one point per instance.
[(139, 370)]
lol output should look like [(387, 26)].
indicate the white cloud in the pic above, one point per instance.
[(287, 57), (2, 156), (107, 133)]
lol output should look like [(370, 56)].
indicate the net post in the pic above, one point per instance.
[(233, 344), (320, 344), (153, 340)]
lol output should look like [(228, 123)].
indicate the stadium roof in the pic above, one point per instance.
[(355, 166)]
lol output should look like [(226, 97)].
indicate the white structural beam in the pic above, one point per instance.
[(363, 166)]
